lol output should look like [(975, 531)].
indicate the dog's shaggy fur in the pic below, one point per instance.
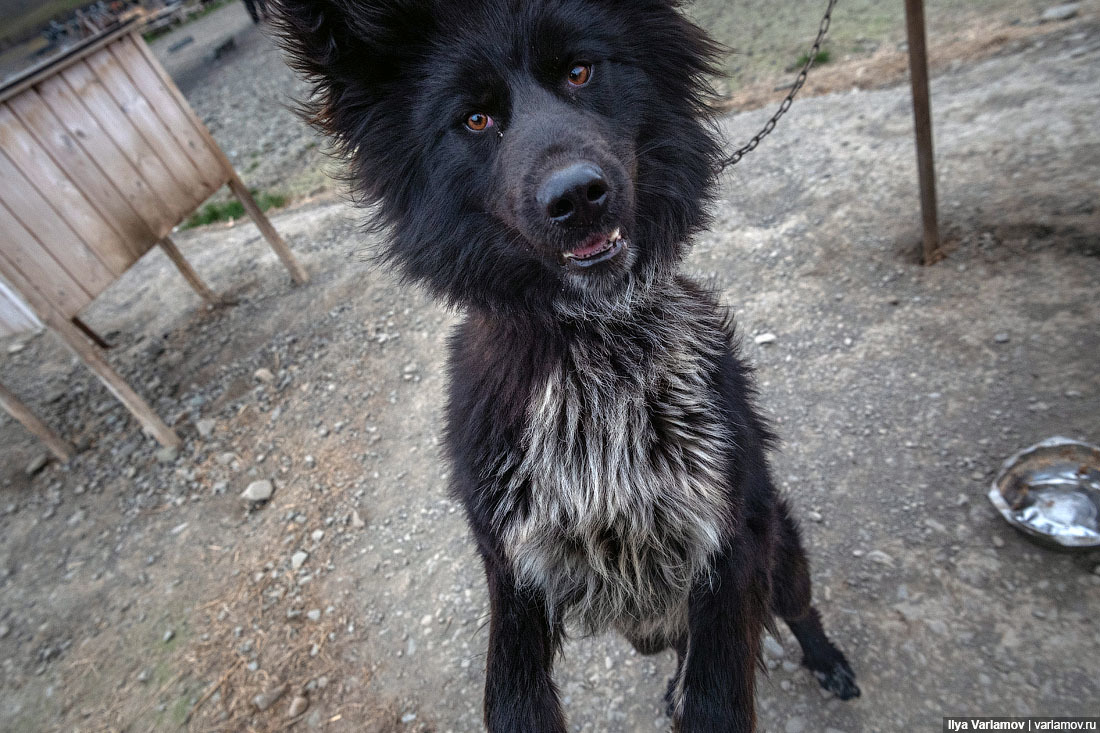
[(544, 165)]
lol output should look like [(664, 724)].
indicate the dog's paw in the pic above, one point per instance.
[(838, 678)]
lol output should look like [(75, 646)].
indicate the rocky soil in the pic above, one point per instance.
[(140, 591)]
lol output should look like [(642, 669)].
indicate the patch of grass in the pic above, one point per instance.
[(822, 57), (229, 210)]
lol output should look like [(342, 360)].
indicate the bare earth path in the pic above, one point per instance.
[(138, 592)]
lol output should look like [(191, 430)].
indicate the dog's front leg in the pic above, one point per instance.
[(726, 617), (520, 695)]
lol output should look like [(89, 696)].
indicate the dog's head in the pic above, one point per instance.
[(542, 154)]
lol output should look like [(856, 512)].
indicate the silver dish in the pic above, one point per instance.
[(1051, 493)]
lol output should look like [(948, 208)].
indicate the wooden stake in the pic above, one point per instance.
[(30, 421), (91, 356), (188, 272), (922, 113), (272, 236)]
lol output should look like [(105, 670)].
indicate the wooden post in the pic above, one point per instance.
[(272, 236), (91, 356), (922, 113), (30, 421), (92, 335), (188, 272), (75, 340)]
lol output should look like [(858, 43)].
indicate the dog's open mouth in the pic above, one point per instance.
[(597, 248)]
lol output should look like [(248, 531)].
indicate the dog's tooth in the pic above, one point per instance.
[(616, 235)]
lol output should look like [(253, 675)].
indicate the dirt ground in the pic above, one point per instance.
[(139, 592)]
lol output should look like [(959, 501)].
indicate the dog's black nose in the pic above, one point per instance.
[(575, 195)]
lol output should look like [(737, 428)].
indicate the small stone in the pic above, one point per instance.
[(264, 375), (978, 475), (167, 454), (168, 636), (144, 676), (426, 621), (1002, 338), (76, 518), (880, 558), (963, 500), (298, 559), (16, 347), (4, 631), (1058, 13), (298, 705), (1096, 569), (795, 725), (258, 491), (314, 614), (408, 718), (265, 700), (773, 648), (37, 464), (318, 535), (765, 338), (356, 521), (815, 516), (205, 428), (934, 525), (997, 541)]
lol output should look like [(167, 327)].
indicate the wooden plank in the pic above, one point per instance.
[(170, 85), (84, 134), (188, 272), (281, 249), (34, 75), (129, 140), (94, 184), (59, 247), (30, 421), (75, 340), (137, 109), (168, 109), (51, 282), (235, 184), (54, 186), (922, 114)]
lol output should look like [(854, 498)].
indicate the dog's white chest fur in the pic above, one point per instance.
[(624, 464)]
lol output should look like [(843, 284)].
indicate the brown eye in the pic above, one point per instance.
[(580, 74), (478, 122)]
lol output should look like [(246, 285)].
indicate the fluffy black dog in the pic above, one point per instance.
[(544, 164)]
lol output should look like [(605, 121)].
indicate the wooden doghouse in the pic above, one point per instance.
[(100, 158)]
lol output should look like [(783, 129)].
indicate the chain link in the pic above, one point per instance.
[(788, 100)]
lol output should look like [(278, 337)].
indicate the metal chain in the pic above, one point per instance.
[(786, 104)]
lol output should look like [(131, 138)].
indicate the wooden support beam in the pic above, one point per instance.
[(11, 404), (922, 113), (272, 236), (87, 331), (92, 357), (189, 274)]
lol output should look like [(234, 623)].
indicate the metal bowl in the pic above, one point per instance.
[(1051, 493)]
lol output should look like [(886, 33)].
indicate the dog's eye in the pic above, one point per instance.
[(580, 75), (478, 122)]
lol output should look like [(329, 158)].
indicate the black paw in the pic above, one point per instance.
[(837, 677)]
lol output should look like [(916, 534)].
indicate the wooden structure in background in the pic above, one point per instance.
[(100, 158), (922, 117)]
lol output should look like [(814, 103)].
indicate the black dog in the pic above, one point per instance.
[(544, 164)]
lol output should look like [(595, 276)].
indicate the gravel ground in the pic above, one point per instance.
[(138, 591)]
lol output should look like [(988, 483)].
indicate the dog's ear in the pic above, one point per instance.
[(349, 39), (355, 54)]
